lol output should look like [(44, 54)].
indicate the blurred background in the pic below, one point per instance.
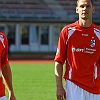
[(33, 26)]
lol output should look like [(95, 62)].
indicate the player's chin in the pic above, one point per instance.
[(85, 17)]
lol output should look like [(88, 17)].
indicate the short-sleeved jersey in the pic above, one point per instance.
[(79, 48), (3, 59)]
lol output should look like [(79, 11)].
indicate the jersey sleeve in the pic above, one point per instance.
[(4, 55), (62, 47)]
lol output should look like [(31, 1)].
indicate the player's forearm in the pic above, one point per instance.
[(58, 73), (6, 72)]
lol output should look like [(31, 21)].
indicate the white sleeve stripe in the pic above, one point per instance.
[(70, 32), (97, 32)]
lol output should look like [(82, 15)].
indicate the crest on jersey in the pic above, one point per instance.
[(92, 43)]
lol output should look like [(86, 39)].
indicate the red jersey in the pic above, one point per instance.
[(80, 49), (3, 59)]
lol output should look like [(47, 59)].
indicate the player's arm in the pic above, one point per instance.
[(7, 75), (59, 61), (60, 92)]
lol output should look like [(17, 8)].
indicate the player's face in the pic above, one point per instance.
[(85, 9)]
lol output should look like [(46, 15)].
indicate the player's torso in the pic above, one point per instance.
[(84, 45), (83, 55)]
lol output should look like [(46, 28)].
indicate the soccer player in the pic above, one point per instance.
[(5, 71), (79, 49)]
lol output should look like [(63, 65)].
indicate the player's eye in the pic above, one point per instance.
[(82, 6)]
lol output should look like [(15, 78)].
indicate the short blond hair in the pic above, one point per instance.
[(90, 0)]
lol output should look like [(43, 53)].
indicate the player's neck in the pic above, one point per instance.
[(85, 23)]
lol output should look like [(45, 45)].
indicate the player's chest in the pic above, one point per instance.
[(84, 39)]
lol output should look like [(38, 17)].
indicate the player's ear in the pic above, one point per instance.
[(93, 9), (76, 10)]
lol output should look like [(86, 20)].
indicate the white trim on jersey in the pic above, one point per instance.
[(95, 70), (70, 71), (2, 40), (97, 32), (70, 32)]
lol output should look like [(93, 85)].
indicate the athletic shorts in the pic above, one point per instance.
[(74, 92), (3, 98)]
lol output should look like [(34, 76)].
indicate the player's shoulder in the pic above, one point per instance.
[(96, 30), (70, 26), (2, 34), (96, 27)]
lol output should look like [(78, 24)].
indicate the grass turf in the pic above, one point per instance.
[(34, 81)]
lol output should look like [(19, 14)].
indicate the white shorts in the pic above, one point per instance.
[(3, 98), (74, 92)]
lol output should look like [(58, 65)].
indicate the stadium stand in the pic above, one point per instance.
[(69, 7), (25, 9), (42, 9)]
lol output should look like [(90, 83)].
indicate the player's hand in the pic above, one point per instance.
[(61, 93)]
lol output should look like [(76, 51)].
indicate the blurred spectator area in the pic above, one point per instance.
[(24, 8), (42, 9), (69, 7)]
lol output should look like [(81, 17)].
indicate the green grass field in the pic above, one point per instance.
[(34, 81)]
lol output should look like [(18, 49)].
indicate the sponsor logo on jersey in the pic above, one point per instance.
[(92, 43), (77, 50), (84, 50), (84, 34)]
